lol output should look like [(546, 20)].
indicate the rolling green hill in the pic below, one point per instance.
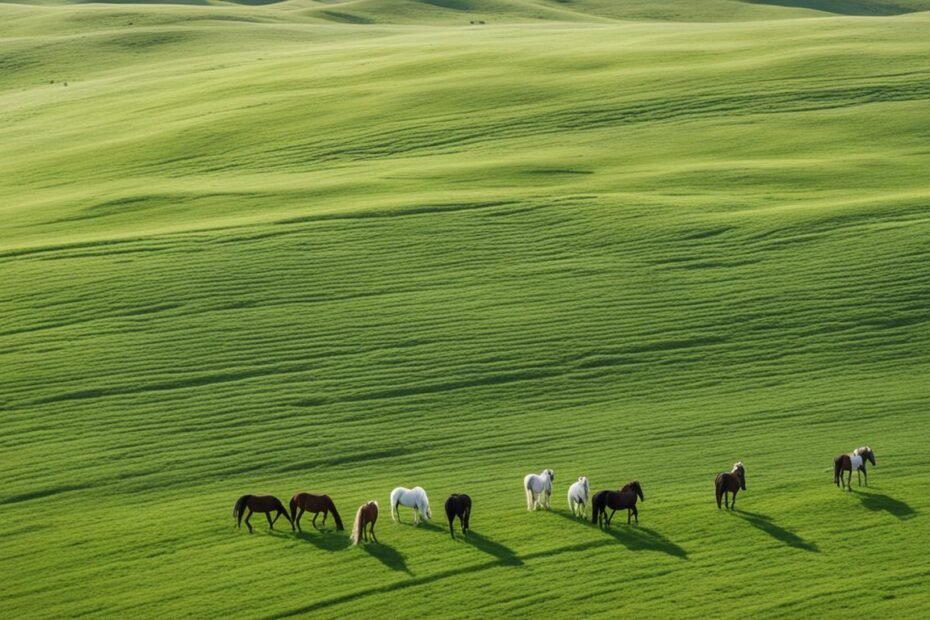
[(351, 246)]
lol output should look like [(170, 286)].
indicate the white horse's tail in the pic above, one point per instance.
[(395, 499), (356, 527)]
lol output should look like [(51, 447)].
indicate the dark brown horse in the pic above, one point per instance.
[(315, 504), (730, 482), (624, 499), (458, 506), (260, 503), (849, 462), (367, 515)]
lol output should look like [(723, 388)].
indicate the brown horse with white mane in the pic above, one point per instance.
[(366, 516), (849, 462), (308, 502), (730, 482), (624, 499), (260, 503)]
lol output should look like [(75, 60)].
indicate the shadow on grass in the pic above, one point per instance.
[(633, 537), (885, 503), (768, 525), (387, 555), (505, 554), (327, 541)]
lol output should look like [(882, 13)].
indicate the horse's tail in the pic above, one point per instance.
[(596, 503), (357, 526), (836, 470), (395, 499), (529, 498), (332, 509), (239, 508), (294, 506)]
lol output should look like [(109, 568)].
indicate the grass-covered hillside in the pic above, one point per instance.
[(343, 247)]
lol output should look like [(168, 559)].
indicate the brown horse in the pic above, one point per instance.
[(624, 499), (260, 503), (730, 482), (849, 462), (367, 515), (315, 504), (458, 505)]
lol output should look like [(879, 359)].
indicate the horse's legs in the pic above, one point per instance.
[(611, 517), (636, 514), (726, 499), (315, 515), (270, 522), (247, 517), (859, 476), (849, 481), (373, 537), (733, 503), (297, 519), (547, 499), (325, 514), (865, 474)]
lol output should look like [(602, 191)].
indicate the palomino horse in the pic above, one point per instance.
[(624, 499), (315, 504), (260, 503), (366, 516), (458, 505), (536, 486), (730, 482), (849, 462), (578, 497), (412, 498)]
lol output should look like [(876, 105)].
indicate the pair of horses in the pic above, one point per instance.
[(856, 460), (457, 505), (300, 503)]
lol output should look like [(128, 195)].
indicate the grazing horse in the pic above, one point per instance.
[(536, 486), (624, 499), (260, 503), (458, 506), (315, 504), (367, 515), (578, 497), (849, 462), (412, 498), (730, 482)]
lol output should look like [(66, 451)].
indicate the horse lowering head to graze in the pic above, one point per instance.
[(856, 460), (730, 482), (458, 505), (538, 488), (259, 503), (578, 497), (365, 519), (623, 499), (315, 504), (412, 498)]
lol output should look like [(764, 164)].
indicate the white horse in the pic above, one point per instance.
[(536, 486), (578, 497), (412, 498)]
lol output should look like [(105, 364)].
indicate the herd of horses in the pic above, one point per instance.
[(538, 488)]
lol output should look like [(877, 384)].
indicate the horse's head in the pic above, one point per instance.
[(740, 470), (866, 453), (633, 487), (424, 508), (584, 482), (550, 474)]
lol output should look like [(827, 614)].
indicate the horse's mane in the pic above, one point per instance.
[(738, 465), (861, 450)]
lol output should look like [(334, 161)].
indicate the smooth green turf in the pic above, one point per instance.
[(250, 250)]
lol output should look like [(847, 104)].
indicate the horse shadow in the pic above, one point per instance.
[(504, 554), (325, 540), (387, 555), (878, 502), (768, 525), (633, 537)]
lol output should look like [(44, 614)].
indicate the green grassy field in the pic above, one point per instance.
[(343, 247)]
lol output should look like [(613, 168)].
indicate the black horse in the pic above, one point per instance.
[(458, 505), (730, 482), (624, 499), (260, 503), (849, 462)]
